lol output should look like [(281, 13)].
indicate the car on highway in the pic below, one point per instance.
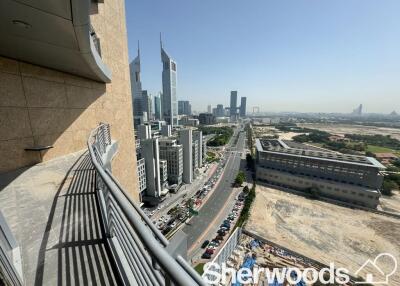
[(205, 243)]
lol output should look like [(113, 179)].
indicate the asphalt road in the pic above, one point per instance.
[(202, 222)]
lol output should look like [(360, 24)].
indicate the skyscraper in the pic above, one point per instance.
[(136, 90), (157, 106), (358, 111), (209, 108), (243, 106), (147, 104), (219, 111), (169, 105), (233, 106), (134, 68), (184, 107)]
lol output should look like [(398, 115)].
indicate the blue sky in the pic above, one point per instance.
[(298, 55)]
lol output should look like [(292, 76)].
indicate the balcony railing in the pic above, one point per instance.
[(10, 258), (141, 253)]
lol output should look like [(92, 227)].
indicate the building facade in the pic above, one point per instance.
[(157, 106), (233, 106), (185, 138), (169, 105), (166, 130), (206, 118), (184, 107), (53, 95), (198, 137), (173, 154), (151, 155), (349, 178), (242, 109), (141, 172)]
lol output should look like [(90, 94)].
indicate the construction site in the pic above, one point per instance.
[(326, 232)]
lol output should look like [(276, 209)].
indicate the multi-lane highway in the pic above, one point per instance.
[(214, 210)]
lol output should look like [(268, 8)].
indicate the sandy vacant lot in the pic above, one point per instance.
[(326, 232), (341, 129)]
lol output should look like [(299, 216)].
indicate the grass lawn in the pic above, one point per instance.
[(211, 157), (199, 268), (379, 149)]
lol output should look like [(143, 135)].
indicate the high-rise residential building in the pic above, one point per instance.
[(184, 107), (169, 105), (233, 106), (242, 106), (157, 106), (173, 154), (198, 137), (58, 73), (185, 138), (209, 108), (150, 151)]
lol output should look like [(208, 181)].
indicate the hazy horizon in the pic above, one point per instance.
[(320, 56)]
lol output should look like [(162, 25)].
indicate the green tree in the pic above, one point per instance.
[(388, 186), (240, 177)]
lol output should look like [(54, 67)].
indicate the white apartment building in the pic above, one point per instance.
[(173, 154)]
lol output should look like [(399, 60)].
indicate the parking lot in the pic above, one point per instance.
[(212, 247)]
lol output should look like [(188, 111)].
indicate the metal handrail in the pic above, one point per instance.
[(10, 260), (142, 254)]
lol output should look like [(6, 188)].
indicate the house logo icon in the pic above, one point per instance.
[(370, 277)]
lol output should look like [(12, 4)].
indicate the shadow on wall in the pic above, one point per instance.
[(44, 107)]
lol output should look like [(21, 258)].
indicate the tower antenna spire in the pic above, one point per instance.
[(161, 41), (138, 49)]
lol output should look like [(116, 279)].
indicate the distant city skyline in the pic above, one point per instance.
[(325, 56)]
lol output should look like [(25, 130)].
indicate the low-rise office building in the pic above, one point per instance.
[(352, 179)]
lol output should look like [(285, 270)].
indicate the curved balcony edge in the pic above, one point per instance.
[(138, 248)]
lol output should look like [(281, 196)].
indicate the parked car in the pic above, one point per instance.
[(210, 251), (220, 237), (205, 243), (222, 232), (206, 255)]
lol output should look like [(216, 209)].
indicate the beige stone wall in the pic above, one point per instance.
[(40, 106)]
